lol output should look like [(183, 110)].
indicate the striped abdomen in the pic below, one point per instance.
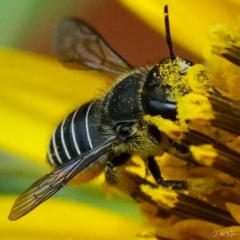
[(77, 134)]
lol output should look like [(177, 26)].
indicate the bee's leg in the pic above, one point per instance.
[(110, 175), (156, 172), (182, 151)]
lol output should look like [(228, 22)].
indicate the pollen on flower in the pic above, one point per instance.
[(235, 210), (204, 154), (172, 129), (194, 107), (223, 57), (202, 186), (197, 79), (161, 195)]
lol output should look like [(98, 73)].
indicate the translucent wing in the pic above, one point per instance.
[(77, 42), (49, 184)]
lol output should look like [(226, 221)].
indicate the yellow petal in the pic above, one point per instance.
[(189, 20), (59, 219), (36, 93)]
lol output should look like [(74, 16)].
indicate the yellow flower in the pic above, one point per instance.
[(190, 21), (64, 219), (36, 93)]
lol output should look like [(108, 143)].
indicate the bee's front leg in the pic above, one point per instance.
[(156, 172)]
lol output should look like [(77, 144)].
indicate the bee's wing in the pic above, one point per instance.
[(77, 42), (49, 184)]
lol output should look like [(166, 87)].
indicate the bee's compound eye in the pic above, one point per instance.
[(167, 110), (126, 129)]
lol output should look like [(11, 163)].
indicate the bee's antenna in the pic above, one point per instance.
[(168, 35)]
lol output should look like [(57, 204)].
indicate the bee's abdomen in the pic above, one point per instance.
[(76, 134)]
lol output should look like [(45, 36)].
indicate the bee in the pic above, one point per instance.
[(106, 132)]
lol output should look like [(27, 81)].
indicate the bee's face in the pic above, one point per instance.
[(163, 83)]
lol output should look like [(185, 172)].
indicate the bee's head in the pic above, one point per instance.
[(164, 81)]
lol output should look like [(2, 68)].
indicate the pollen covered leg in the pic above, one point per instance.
[(111, 176), (156, 172)]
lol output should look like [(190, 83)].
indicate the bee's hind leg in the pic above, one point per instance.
[(111, 176), (156, 173)]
